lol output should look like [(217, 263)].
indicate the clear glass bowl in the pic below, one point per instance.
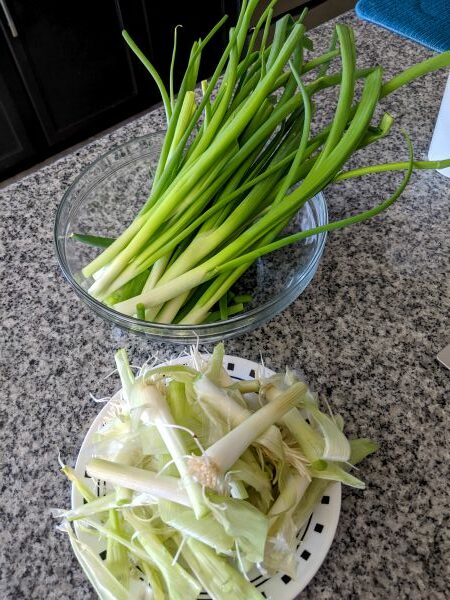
[(108, 194)]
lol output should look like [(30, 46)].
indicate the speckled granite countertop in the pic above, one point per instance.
[(365, 333)]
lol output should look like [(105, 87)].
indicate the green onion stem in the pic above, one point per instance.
[(172, 65), (140, 312), (140, 480), (394, 166), (342, 114), (280, 34), (125, 373), (427, 66), (320, 61), (170, 310), (264, 38), (207, 116), (153, 72), (232, 309), (93, 240)]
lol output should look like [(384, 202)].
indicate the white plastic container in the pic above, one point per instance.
[(440, 142)]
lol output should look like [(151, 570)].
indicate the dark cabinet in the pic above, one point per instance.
[(66, 73), (15, 145), (72, 62), (16, 114)]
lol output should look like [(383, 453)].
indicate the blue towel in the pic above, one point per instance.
[(424, 21)]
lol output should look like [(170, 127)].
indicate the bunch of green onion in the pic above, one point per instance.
[(207, 477), (239, 161)]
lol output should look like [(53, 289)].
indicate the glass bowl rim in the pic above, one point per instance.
[(132, 322)]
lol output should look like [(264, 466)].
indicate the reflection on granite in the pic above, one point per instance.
[(365, 333)]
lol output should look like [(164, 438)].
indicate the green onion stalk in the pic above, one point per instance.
[(239, 160)]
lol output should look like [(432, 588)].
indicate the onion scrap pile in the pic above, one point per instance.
[(207, 478)]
